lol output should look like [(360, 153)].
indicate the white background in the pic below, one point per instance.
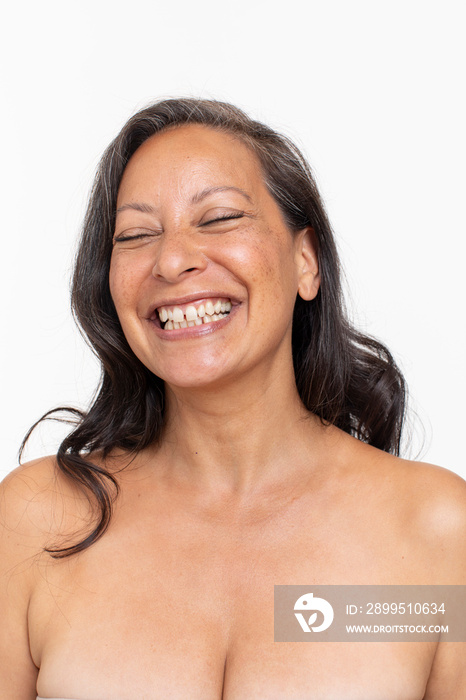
[(374, 94)]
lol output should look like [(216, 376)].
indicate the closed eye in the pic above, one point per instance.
[(122, 238), (227, 217)]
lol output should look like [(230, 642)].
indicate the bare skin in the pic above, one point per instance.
[(246, 490)]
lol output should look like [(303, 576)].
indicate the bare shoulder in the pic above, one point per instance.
[(26, 515), (428, 491), (25, 522), (23, 494), (441, 494), (428, 505), (37, 502), (434, 496), (439, 518), (421, 507), (39, 508)]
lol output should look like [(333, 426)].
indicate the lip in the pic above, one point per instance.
[(192, 331)]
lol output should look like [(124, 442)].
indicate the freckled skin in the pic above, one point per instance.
[(254, 259), (245, 490)]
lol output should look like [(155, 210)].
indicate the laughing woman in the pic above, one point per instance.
[(244, 435)]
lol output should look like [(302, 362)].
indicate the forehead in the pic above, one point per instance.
[(187, 157)]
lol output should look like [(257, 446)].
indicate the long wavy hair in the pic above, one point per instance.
[(346, 378)]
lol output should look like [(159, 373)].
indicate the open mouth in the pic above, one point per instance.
[(193, 314)]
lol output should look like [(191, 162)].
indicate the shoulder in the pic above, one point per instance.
[(420, 507), (37, 504), (434, 497), (23, 494), (426, 505), (441, 494), (24, 523), (437, 524), (438, 516), (26, 490), (424, 490)]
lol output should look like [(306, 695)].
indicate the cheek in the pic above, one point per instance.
[(271, 268), (125, 278), (262, 256)]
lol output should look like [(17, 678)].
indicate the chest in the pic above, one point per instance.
[(181, 608)]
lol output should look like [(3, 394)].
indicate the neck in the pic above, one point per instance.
[(240, 436)]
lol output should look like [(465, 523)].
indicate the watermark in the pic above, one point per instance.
[(369, 613)]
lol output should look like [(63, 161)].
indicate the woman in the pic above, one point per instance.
[(244, 435)]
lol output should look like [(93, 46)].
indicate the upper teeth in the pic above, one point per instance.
[(191, 313)]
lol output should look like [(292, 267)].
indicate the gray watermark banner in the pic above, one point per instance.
[(369, 613)]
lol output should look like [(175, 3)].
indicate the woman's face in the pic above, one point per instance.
[(199, 238)]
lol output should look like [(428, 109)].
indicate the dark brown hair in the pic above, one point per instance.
[(346, 378)]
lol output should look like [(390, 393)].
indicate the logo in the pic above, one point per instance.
[(308, 603)]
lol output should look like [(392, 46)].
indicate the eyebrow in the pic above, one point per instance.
[(198, 197), (213, 190), (138, 206)]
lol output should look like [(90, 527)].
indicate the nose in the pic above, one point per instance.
[(177, 256)]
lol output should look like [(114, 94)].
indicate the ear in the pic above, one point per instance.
[(307, 260)]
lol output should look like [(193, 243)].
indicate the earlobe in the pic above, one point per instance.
[(308, 261)]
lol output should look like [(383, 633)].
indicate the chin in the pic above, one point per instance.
[(194, 376), (195, 383)]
